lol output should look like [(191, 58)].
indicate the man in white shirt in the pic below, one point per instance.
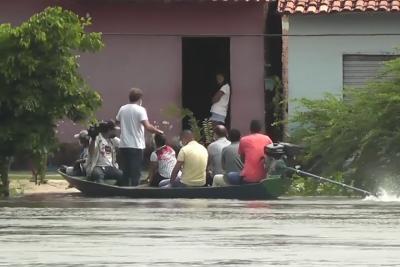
[(220, 101), (133, 120)]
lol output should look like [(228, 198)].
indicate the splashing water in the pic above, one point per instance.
[(384, 196)]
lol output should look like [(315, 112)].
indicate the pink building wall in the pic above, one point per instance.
[(153, 62)]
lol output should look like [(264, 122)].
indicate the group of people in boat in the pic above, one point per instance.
[(229, 159)]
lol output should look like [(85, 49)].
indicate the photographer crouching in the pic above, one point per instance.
[(102, 153)]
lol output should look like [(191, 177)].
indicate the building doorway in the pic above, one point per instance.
[(202, 59), (274, 109)]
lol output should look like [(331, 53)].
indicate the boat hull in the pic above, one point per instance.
[(270, 188)]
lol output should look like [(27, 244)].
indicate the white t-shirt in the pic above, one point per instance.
[(221, 107), (131, 117), (106, 148), (165, 156)]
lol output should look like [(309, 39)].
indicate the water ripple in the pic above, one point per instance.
[(69, 230)]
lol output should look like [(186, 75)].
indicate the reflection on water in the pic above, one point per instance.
[(69, 230)]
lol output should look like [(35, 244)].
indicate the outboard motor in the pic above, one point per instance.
[(278, 157), (281, 158)]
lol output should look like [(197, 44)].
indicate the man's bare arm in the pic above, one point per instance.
[(151, 128), (217, 96), (176, 170), (152, 170)]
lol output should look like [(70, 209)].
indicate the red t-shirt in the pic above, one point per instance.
[(252, 148)]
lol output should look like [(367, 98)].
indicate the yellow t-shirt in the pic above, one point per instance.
[(194, 157)]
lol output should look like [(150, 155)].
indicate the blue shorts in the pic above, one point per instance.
[(217, 117), (235, 178)]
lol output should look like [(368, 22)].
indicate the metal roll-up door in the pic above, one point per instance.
[(359, 69)]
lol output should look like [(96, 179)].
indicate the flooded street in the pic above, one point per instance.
[(70, 230)]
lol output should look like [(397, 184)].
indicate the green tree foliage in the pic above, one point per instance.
[(359, 136), (40, 82)]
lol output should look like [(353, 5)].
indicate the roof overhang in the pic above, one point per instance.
[(336, 6)]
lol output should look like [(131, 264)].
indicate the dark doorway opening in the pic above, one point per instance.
[(202, 59), (273, 71)]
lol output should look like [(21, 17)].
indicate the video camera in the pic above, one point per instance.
[(97, 128), (101, 127), (93, 130)]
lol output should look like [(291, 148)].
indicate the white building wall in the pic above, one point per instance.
[(315, 63)]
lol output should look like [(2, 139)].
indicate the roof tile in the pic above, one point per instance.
[(359, 5), (383, 5), (371, 5), (395, 6), (328, 6), (299, 9), (312, 9)]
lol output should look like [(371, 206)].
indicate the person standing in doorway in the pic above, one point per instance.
[(133, 120), (220, 101)]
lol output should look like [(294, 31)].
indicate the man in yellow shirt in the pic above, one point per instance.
[(192, 160)]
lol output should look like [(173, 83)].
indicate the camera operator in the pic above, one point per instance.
[(102, 153)]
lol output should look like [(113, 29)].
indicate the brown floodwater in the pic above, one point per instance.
[(71, 230)]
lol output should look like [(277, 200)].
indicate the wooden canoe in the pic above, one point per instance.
[(270, 188)]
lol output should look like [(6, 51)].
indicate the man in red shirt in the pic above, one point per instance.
[(251, 150)]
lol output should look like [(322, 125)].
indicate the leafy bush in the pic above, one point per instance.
[(203, 131), (359, 136), (303, 186)]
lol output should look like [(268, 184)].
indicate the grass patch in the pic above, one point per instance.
[(20, 175)]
